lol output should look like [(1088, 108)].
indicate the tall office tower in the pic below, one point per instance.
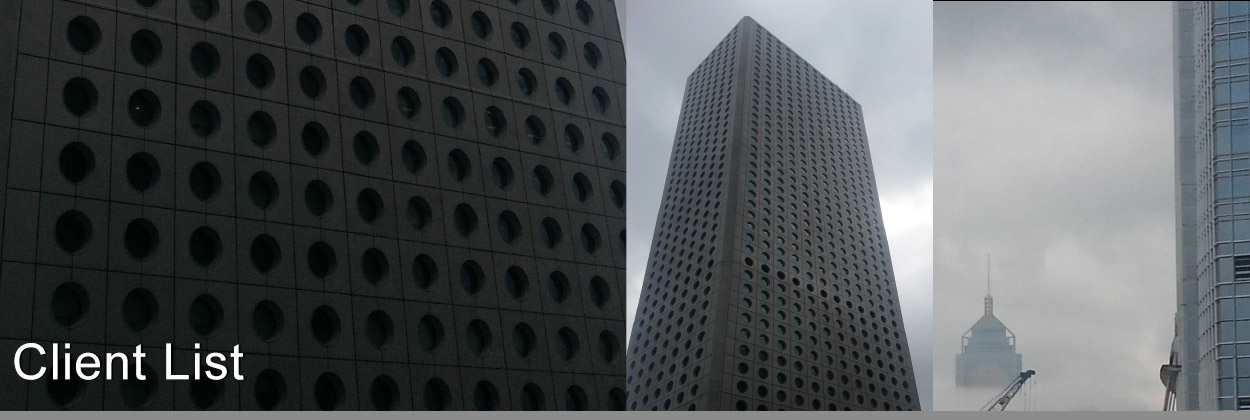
[(387, 204), (1212, 91), (988, 357), (769, 283)]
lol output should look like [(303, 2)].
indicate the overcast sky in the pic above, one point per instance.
[(1053, 151), (879, 52)]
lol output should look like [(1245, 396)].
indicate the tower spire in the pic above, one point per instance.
[(989, 299)]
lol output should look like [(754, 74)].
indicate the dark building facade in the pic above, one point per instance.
[(769, 283), (387, 204)]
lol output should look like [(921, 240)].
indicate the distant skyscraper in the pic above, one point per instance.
[(989, 357), (769, 284), (1212, 92)]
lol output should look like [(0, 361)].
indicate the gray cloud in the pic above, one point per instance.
[(881, 54), (1053, 151)]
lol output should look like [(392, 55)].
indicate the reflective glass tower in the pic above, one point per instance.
[(387, 204), (769, 283), (1212, 95)]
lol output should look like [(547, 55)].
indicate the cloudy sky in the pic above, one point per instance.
[(1053, 152), (879, 52)]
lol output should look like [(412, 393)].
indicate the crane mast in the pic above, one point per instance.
[(1000, 401)]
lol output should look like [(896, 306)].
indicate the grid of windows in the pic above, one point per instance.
[(389, 204), (793, 306)]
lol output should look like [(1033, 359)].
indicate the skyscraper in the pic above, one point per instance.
[(1212, 92), (988, 357), (769, 283), (388, 204)]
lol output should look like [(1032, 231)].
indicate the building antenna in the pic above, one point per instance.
[(989, 300)]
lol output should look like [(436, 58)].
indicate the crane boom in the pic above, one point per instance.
[(1000, 401)]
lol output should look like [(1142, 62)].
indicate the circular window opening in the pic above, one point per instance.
[(384, 392), (573, 138), (318, 198), (325, 324), (480, 24), (479, 338), (601, 99), (436, 395), (270, 389), (520, 35), (141, 239), (204, 119), (321, 259), (453, 113), (525, 82), (509, 226), (446, 62), (440, 14), (139, 309), (495, 122), (584, 12), (365, 147), (204, 59), (590, 238), (618, 194), (523, 339), (374, 266), (73, 231), (501, 173), (265, 253), (137, 393), (407, 102), (413, 156), (402, 51), (267, 319), (542, 180), (567, 345), (429, 333), (257, 17), (564, 91), (263, 190), (76, 162), (83, 34), (609, 146), (608, 346), (205, 181), (205, 246), (69, 304), (369, 205), (315, 138), (555, 44), (328, 392), (379, 329), (534, 130), (142, 171), (397, 7), (144, 107), (575, 399), (361, 92), (204, 9), (418, 212), (600, 293), (79, 96), (517, 283), (204, 392), (308, 28), (550, 6), (424, 271), (261, 129), (357, 40), (145, 47), (312, 82), (471, 277), (259, 71), (592, 55), (205, 315), (487, 73), (532, 398), (465, 220), (582, 189), (558, 286)]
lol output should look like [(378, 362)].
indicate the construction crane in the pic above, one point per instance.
[(1000, 401)]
